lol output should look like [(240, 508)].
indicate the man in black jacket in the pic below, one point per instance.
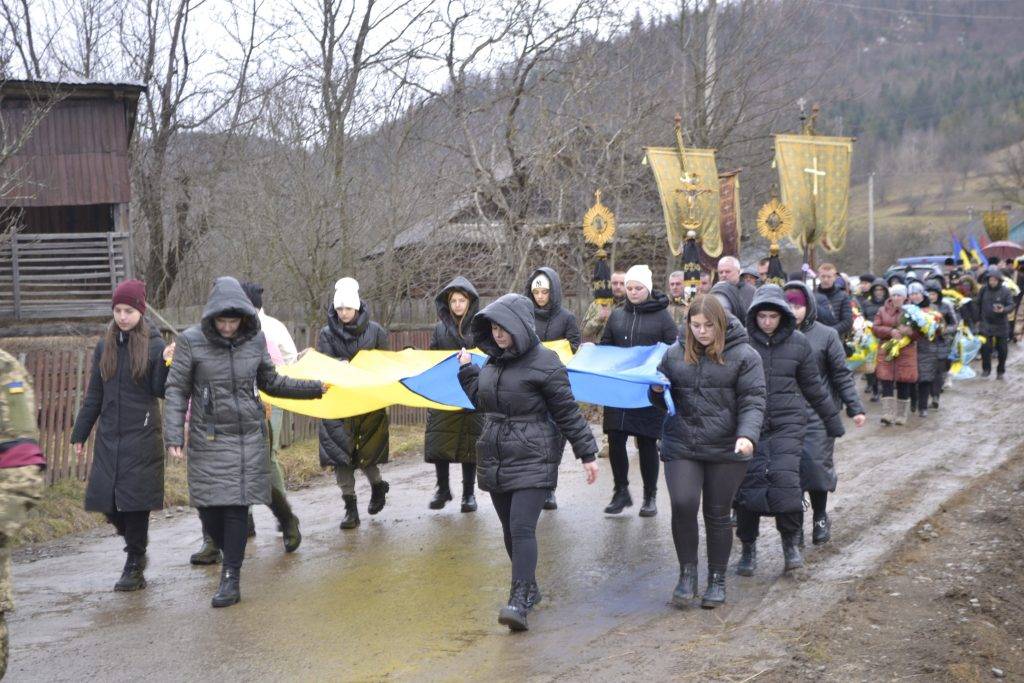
[(995, 303), (838, 300)]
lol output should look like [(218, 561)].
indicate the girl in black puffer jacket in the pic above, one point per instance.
[(772, 484), (643, 320), (359, 442), (451, 436), (717, 385), (523, 391)]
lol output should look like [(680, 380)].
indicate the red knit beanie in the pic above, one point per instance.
[(131, 293), (796, 297)]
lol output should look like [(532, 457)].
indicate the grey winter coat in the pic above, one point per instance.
[(228, 448), (992, 323), (362, 440), (875, 299), (842, 311), (645, 324), (127, 472), (524, 393), (930, 352), (772, 484), (716, 403), (452, 436), (817, 466), (553, 321)]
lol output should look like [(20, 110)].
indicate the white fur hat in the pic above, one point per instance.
[(346, 293), (641, 274)]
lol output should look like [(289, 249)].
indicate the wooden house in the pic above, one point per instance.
[(65, 191)]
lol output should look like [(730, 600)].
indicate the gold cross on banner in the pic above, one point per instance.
[(814, 174)]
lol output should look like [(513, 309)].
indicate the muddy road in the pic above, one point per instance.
[(413, 594)]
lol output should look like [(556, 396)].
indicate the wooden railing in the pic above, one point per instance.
[(64, 275)]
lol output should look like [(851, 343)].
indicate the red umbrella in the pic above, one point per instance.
[(1003, 249)]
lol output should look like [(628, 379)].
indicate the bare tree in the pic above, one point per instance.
[(20, 32), (86, 45)]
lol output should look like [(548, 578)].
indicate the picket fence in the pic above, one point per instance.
[(61, 376)]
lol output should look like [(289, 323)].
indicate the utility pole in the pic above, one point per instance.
[(871, 223)]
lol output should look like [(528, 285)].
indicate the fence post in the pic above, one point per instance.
[(15, 277)]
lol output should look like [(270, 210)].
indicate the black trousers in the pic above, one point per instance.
[(748, 524), (228, 526), (468, 475), (904, 390), (134, 526), (519, 512), (717, 482), (819, 503), (924, 393), (997, 344), (649, 462)]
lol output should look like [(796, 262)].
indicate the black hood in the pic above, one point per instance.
[(879, 282), (993, 271), (514, 313), (735, 332), (352, 330), (444, 313), (732, 295), (773, 298), (555, 300), (812, 304), (654, 303), (899, 277), (228, 299)]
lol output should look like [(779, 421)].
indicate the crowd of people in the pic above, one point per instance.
[(758, 371)]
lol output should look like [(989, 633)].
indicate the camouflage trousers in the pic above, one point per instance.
[(20, 491)]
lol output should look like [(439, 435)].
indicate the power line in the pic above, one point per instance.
[(942, 15)]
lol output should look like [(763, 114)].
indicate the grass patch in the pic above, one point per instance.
[(61, 510)]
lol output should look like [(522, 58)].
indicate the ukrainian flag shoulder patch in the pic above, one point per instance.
[(15, 387)]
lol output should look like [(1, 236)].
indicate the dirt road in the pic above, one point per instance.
[(414, 594)]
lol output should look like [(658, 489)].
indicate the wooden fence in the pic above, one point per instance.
[(60, 378)]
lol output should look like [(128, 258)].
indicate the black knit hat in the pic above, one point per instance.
[(254, 292)]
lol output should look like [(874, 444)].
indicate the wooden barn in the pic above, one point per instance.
[(65, 190)]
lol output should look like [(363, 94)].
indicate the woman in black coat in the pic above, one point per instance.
[(523, 391), (126, 480), (817, 465), (221, 365), (772, 485), (360, 442), (643, 320), (451, 436), (718, 388)]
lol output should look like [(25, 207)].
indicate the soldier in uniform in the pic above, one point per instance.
[(21, 473)]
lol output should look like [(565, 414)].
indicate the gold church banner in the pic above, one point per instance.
[(685, 199), (814, 175)]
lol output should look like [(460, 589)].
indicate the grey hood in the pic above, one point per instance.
[(731, 294), (444, 313), (812, 304), (227, 296), (514, 313), (773, 298)]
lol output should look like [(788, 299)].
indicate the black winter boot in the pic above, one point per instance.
[(378, 497), (229, 592), (208, 554), (748, 560), (514, 614), (791, 553), (822, 531), (533, 596), (287, 522), (131, 577), (351, 519), (686, 589), (551, 503), (650, 506), (715, 594), (442, 494), (468, 500), (620, 501), (252, 525)]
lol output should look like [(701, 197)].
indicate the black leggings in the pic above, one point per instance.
[(134, 526), (228, 526), (998, 344), (903, 389), (519, 512), (718, 481), (748, 524), (819, 503), (924, 393), (468, 475), (649, 462)]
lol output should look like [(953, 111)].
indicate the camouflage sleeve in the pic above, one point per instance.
[(17, 401)]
